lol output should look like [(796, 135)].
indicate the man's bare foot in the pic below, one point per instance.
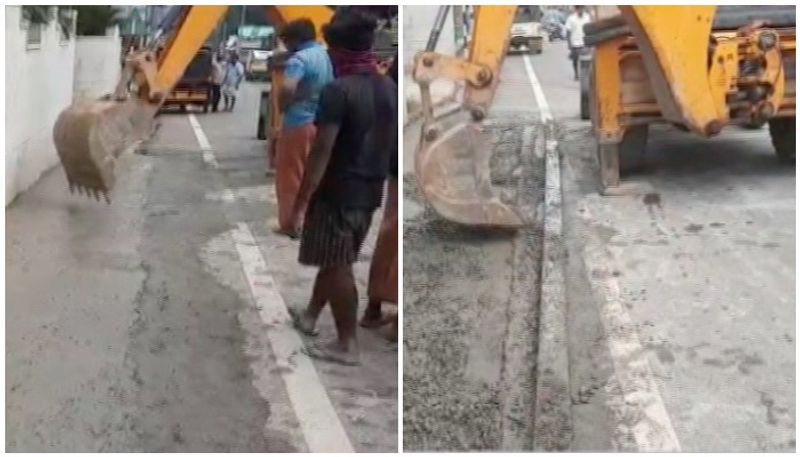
[(303, 323), (293, 234), (334, 352), (390, 332), (370, 320)]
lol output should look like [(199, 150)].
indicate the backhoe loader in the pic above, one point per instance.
[(90, 135), (698, 68)]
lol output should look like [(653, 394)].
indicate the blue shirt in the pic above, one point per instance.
[(311, 66)]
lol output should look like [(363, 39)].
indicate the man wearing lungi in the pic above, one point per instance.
[(343, 183), (383, 270), (306, 72)]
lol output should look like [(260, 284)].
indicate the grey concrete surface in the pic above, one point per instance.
[(680, 299), (704, 262), (131, 327)]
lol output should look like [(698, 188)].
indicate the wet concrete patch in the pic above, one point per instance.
[(175, 318), (457, 290)]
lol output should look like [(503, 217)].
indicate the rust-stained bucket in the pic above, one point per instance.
[(90, 135), (453, 173)]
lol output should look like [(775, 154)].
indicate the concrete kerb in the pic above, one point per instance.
[(552, 411)]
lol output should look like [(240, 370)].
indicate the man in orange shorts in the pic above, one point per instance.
[(383, 270), (306, 72)]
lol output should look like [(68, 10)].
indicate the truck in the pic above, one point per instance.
[(194, 87)]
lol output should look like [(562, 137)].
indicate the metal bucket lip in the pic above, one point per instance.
[(433, 160), (90, 135)]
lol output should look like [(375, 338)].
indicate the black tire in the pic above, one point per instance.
[(182, 107), (261, 134), (585, 83), (585, 114), (205, 107), (615, 160), (782, 132), (534, 47), (632, 148), (752, 126)]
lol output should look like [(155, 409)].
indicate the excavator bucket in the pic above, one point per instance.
[(90, 135), (452, 163), (453, 174)]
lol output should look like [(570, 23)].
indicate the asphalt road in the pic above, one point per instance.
[(138, 326)]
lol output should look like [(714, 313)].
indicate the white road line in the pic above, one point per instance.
[(202, 140), (653, 431), (538, 92), (320, 425)]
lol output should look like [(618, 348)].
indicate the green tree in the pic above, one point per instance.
[(93, 20), (42, 15), (37, 14)]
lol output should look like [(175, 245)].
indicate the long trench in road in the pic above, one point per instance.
[(471, 301)]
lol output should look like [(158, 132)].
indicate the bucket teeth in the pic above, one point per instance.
[(89, 136), (97, 193)]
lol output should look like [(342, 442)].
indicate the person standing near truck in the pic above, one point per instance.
[(234, 73), (217, 76), (382, 285), (307, 69), (343, 182), (574, 26)]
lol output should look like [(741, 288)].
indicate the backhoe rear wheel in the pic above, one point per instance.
[(782, 131), (620, 158), (261, 132), (585, 73)]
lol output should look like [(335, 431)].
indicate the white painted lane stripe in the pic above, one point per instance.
[(654, 431), (202, 140), (538, 92), (320, 425)]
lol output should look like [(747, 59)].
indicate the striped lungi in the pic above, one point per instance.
[(333, 235)]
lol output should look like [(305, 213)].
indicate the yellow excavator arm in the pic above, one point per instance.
[(90, 135), (673, 64)]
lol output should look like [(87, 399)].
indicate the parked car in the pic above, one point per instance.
[(256, 65), (526, 31)]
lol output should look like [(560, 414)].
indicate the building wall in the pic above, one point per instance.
[(97, 64), (39, 83)]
